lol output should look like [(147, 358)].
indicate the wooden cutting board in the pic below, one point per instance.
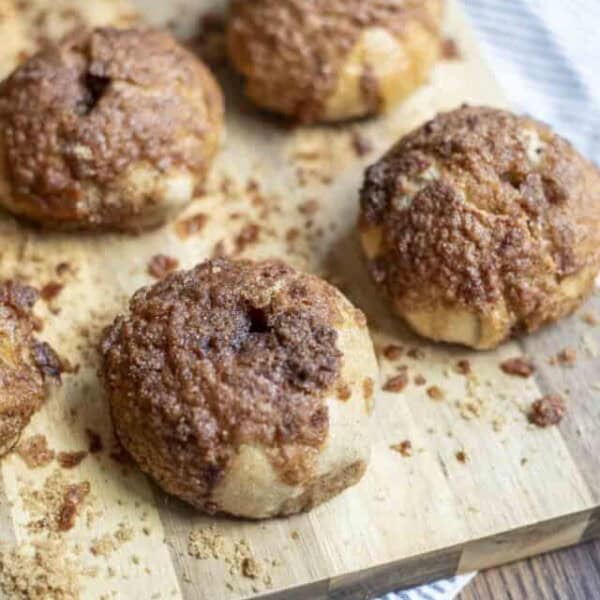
[(517, 491)]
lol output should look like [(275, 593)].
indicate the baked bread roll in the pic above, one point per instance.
[(243, 387), (26, 26), (328, 60), (109, 129), (481, 224), (24, 363)]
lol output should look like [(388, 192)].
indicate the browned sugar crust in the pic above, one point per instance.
[(292, 50), (21, 382), (478, 205), (84, 110), (226, 354)]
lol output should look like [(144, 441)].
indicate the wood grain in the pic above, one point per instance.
[(520, 491), (573, 574)]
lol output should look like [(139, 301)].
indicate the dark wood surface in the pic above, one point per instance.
[(572, 574)]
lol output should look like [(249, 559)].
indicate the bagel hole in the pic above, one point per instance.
[(95, 87), (259, 323)]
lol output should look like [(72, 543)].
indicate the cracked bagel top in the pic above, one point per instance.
[(86, 110), (478, 206)]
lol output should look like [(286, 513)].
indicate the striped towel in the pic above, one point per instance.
[(546, 56)]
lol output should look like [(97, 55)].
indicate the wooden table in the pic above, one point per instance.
[(573, 573)]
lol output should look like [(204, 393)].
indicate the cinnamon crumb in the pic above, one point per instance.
[(450, 50), (420, 380), (461, 457), (292, 234), (548, 410), (160, 265), (47, 361), (435, 392), (591, 318), (404, 448), (310, 207), (35, 451), (62, 268), (396, 383), (51, 290), (520, 366), (191, 226), (393, 351), (344, 392), (567, 357), (69, 460), (247, 236), (463, 366), (74, 496)]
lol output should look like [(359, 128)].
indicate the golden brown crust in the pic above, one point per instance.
[(480, 208), (292, 52), (21, 381), (81, 114), (225, 355)]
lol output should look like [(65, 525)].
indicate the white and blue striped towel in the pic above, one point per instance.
[(546, 56)]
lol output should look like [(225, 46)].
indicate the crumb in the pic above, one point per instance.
[(35, 451), (62, 268), (548, 411), (292, 234), (69, 460), (461, 457), (206, 543), (420, 380), (396, 383), (39, 571), (191, 226), (567, 357), (160, 265), (344, 392), (251, 568), (94, 441), (393, 351), (48, 361), (247, 236), (463, 366), (591, 318), (498, 423), (51, 290), (520, 366), (435, 392), (404, 448), (450, 50), (310, 207), (361, 144), (108, 543), (470, 408), (74, 497), (416, 353), (54, 506), (295, 535)]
